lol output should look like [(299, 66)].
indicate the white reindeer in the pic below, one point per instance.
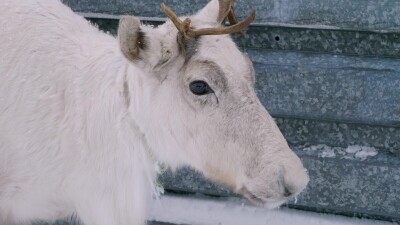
[(84, 116)]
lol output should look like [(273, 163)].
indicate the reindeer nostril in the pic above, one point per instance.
[(287, 192)]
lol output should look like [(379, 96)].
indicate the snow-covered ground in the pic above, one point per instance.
[(200, 211)]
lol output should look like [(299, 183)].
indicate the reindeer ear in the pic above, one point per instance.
[(210, 12), (131, 39), (215, 11)]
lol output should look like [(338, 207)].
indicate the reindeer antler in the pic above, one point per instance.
[(225, 7), (225, 11)]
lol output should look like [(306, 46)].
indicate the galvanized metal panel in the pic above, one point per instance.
[(272, 37), (329, 87), (333, 41), (356, 14), (300, 132)]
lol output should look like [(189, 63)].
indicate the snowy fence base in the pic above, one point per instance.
[(201, 210), (231, 211)]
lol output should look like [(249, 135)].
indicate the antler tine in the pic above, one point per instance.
[(225, 7), (233, 20), (232, 17), (224, 30), (182, 27), (226, 10)]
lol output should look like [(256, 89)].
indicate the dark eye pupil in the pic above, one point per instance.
[(199, 87)]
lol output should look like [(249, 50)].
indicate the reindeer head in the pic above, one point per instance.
[(191, 93)]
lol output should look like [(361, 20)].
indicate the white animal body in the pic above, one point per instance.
[(83, 117)]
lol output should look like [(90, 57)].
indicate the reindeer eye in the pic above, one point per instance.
[(199, 87)]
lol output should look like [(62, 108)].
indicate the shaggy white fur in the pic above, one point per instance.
[(81, 125), (67, 144)]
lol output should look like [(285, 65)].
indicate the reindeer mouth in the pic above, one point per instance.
[(252, 197), (260, 201)]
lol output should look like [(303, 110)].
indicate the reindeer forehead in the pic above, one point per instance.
[(223, 51)]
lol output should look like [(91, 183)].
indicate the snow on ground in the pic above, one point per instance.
[(200, 211), (361, 152), (351, 152)]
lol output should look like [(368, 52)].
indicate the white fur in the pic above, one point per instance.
[(66, 144), (81, 126)]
